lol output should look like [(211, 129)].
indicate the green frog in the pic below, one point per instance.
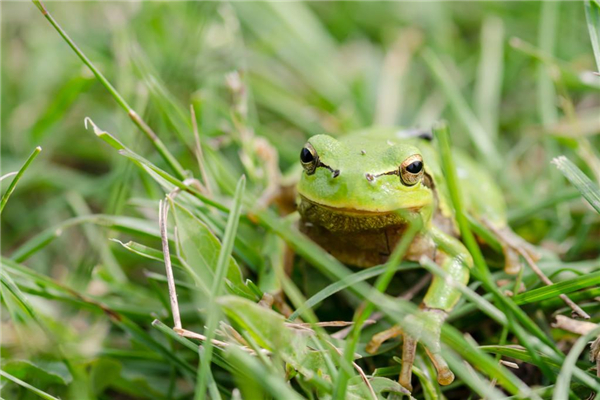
[(354, 196)]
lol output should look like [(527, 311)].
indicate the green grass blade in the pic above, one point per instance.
[(481, 270), (10, 285), (428, 388), (546, 92), (479, 136), (519, 353), (13, 184), (588, 189), (150, 167), (105, 136), (27, 386), (522, 215), (563, 381), (482, 304), (147, 252), (474, 380), (204, 373), (592, 16), (137, 120), (489, 75), (345, 283), (254, 371), (96, 238), (442, 135), (554, 290), (125, 224)]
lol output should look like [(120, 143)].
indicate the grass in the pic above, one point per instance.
[(87, 311)]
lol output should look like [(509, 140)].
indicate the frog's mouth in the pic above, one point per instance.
[(343, 219), (356, 211)]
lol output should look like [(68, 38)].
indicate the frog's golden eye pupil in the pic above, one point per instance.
[(306, 156), (415, 167)]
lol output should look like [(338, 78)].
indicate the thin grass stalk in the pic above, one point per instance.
[(563, 382), (204, 373), (588, 189), (199, 153), (137, 120), (592, 16), (27, 386), (13, 184)]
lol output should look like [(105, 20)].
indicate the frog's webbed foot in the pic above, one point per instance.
[(429, 322)]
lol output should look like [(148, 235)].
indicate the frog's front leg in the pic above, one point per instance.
[(439, 300), (441, 297)]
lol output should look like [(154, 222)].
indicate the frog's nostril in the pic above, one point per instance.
[(370, 177), (335, 173)]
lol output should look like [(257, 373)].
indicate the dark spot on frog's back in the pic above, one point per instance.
[(416, 133), (426, 135)]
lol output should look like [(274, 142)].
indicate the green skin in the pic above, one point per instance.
[(352, 205)]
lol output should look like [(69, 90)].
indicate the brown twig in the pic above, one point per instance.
[(572, 325), (218, 343), (163, 209)]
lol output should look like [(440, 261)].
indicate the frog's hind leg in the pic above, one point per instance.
[(513, 247)]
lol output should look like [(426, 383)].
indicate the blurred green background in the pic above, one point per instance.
[(516, 73)]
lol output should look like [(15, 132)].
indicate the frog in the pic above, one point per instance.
[(356, 196)]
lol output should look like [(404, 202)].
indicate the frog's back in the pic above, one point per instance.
[(482, 198)]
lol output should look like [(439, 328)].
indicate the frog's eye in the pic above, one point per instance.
[(411, 170), (309, 159)]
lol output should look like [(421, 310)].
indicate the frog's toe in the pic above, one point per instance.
[(512, 263), (409, 350), (444, 375), (378, 339)]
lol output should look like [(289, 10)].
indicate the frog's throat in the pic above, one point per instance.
[(338, 219)]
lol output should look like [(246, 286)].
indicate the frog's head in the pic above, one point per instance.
[(363, 175)]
